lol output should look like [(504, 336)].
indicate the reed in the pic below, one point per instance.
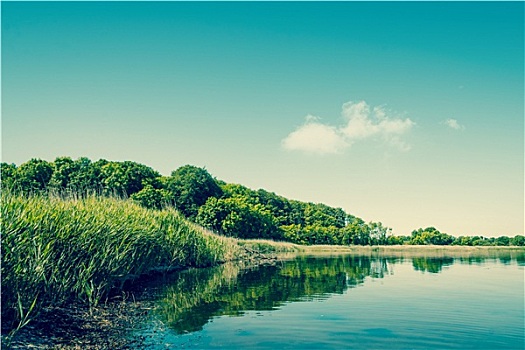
[(56, 251), (266, 246)]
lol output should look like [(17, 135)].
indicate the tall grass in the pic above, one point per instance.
[(55, 250)]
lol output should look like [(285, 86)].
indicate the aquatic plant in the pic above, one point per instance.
[(55, 251)]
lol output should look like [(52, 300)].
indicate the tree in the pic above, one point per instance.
[(356, 232), (378, 233), (502, 241), (212, 214), (126, 178), (63, 168), (7, 175), (463, 240), (86, 178), (518, 240), (292, 233), (430, 235), (324, 215), (237, 217), (151, 197), (479, 241), (397, 240), (33, 176), (191, 187)]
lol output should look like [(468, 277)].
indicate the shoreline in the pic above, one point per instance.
[(107, 326), (412, 248), (286, 248)]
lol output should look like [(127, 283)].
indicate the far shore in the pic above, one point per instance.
[(419, 250), (290, 249)]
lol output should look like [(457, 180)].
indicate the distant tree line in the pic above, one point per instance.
[(228, 209)]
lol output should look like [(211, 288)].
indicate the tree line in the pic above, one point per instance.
[(228, 209)]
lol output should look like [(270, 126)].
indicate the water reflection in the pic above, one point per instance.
[(433, 265), (199, 294), (196, 296)]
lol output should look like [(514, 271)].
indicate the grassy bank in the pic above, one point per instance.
[(57, 251)]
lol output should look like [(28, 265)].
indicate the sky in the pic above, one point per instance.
[(407, 113)]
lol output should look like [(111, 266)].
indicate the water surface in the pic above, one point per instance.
[(345, 301)]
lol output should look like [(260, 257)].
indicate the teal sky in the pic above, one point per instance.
[(408, 113)]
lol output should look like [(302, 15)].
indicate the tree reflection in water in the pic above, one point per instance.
[(197, 295), (433, 265)]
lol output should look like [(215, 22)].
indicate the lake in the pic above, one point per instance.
[(345, 301)]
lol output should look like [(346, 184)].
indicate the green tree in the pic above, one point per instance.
[(292, 233), (79, 176), (126, 178), (324, 215), (430, 235), (378, 233), (7, 175), (479, 241), (151, 197), (319, 234), (33, 176), (237, 217), (502, 241), (397, 240), (463, 240), (518, 240), (191, 187), (356, 232), (86, 178), (63, 168), (212, 214)]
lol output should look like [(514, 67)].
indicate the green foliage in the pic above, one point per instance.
[(298, 222), (502, 241), (397, 240), (64, 167), (126, 178), (462, 240), (7, 175), (237, 217), (191, 187), (318, 234), (356, 232), (323, 215), (243, 212), (518, 240), (229, 209), (31, 177), (152, 198), (55, 251), (379, 234), (430, 235), (78, 177)]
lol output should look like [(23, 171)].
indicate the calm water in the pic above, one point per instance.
[(359, 302)]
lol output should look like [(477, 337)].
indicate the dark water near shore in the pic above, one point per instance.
[(345, 301)]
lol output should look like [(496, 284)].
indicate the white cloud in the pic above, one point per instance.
[(314, 137), (360, 122), (453, 124)]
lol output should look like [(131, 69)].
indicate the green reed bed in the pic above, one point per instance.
[(56, 251)]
